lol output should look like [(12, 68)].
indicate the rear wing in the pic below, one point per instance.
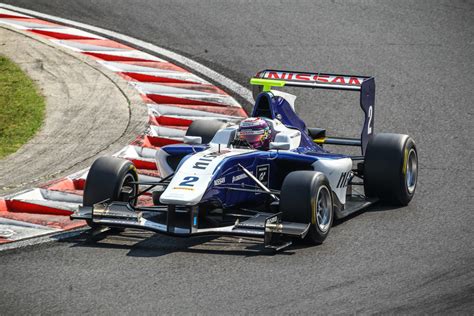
[(366, 85)]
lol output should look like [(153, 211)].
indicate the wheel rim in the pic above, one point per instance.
[(412, 171), (124, 197), (323, 209)]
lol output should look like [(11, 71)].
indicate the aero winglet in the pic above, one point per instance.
[(267, 83)]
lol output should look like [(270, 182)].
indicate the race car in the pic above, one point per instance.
[(269, 176)]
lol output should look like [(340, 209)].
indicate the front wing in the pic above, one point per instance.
[(183, 222)]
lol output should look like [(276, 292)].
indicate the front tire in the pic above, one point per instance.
[(391, 168), (106, 180), (306, 198)]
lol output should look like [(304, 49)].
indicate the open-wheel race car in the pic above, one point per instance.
[(267, 176)]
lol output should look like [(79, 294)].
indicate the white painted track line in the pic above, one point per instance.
[(37, 240)]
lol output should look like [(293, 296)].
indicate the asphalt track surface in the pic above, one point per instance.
[(416, 259)]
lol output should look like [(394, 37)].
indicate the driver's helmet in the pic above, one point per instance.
[(256, 132)]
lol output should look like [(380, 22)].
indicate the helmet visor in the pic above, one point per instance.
[(252, 136)]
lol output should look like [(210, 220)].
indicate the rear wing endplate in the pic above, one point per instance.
[(366, 85)]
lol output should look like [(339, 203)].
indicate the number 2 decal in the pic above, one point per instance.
[(188, 181), (370, 114)]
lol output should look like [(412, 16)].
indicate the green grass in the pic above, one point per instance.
[(21, 107)]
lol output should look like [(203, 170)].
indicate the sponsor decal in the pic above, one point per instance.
[(183, 188), (295, 135), (318, 78), (272, 220), (204, 161), (263, 174), (219, 181), (239, 177), (344, 179)]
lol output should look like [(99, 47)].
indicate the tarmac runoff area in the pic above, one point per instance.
[(90, 112)]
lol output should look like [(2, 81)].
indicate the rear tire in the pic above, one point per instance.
[(306, 198), (206, 129), (391, 168), (105, 180)]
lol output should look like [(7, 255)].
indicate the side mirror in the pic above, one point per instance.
[(192, 140), (280, 145)]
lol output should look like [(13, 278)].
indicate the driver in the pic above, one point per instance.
[(256, 132)]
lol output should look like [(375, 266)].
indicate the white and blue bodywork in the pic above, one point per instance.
[(209, 173), (239, 185)]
